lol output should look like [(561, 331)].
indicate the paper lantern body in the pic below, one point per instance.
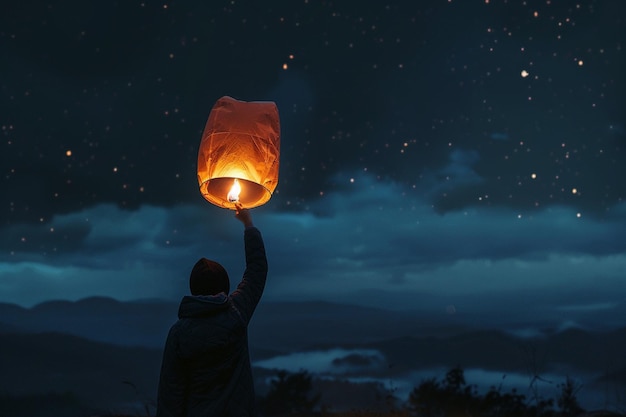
[(241, 140)]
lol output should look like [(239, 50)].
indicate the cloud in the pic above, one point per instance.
[(375, 239), (589, 307), (124, 254), (372, 236), (460, 166), (29, 283)]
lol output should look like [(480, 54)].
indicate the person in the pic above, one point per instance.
[(206, 368)]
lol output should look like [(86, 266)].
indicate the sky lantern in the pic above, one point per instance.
[(239, 153)]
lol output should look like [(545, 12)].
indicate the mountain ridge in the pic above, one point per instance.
[(39, 344)]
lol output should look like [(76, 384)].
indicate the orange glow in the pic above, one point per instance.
[(235, 190), (239, 150)]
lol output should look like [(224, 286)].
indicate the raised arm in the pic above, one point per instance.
[(248, 293)]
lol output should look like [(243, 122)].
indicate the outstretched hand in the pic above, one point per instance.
[(243, 215)]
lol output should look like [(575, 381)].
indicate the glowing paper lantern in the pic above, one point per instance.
[(239, 153)]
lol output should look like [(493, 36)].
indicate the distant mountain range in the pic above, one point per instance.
[(101, 345), (275, 326), (96, 318)]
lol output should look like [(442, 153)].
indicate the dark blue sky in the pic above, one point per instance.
[(458, 150)]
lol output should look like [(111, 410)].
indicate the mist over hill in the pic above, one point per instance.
[(98, 345)]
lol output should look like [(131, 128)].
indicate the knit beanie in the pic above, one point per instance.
[(208, 278)]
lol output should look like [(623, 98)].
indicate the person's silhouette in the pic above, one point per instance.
[(206, 367)]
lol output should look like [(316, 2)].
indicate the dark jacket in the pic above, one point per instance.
[(206, 364)]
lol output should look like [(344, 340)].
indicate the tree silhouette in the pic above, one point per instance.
[(289, 393), (567, 402), (453, 397)]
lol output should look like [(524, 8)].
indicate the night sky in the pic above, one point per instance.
[(457, 151)]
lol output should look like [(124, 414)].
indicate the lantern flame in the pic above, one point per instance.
[(233, 194)]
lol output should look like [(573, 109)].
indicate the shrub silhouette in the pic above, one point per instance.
[(289, 393), (567, 402), (453, 397)]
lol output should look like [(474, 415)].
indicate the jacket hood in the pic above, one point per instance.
[(202, 305)]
